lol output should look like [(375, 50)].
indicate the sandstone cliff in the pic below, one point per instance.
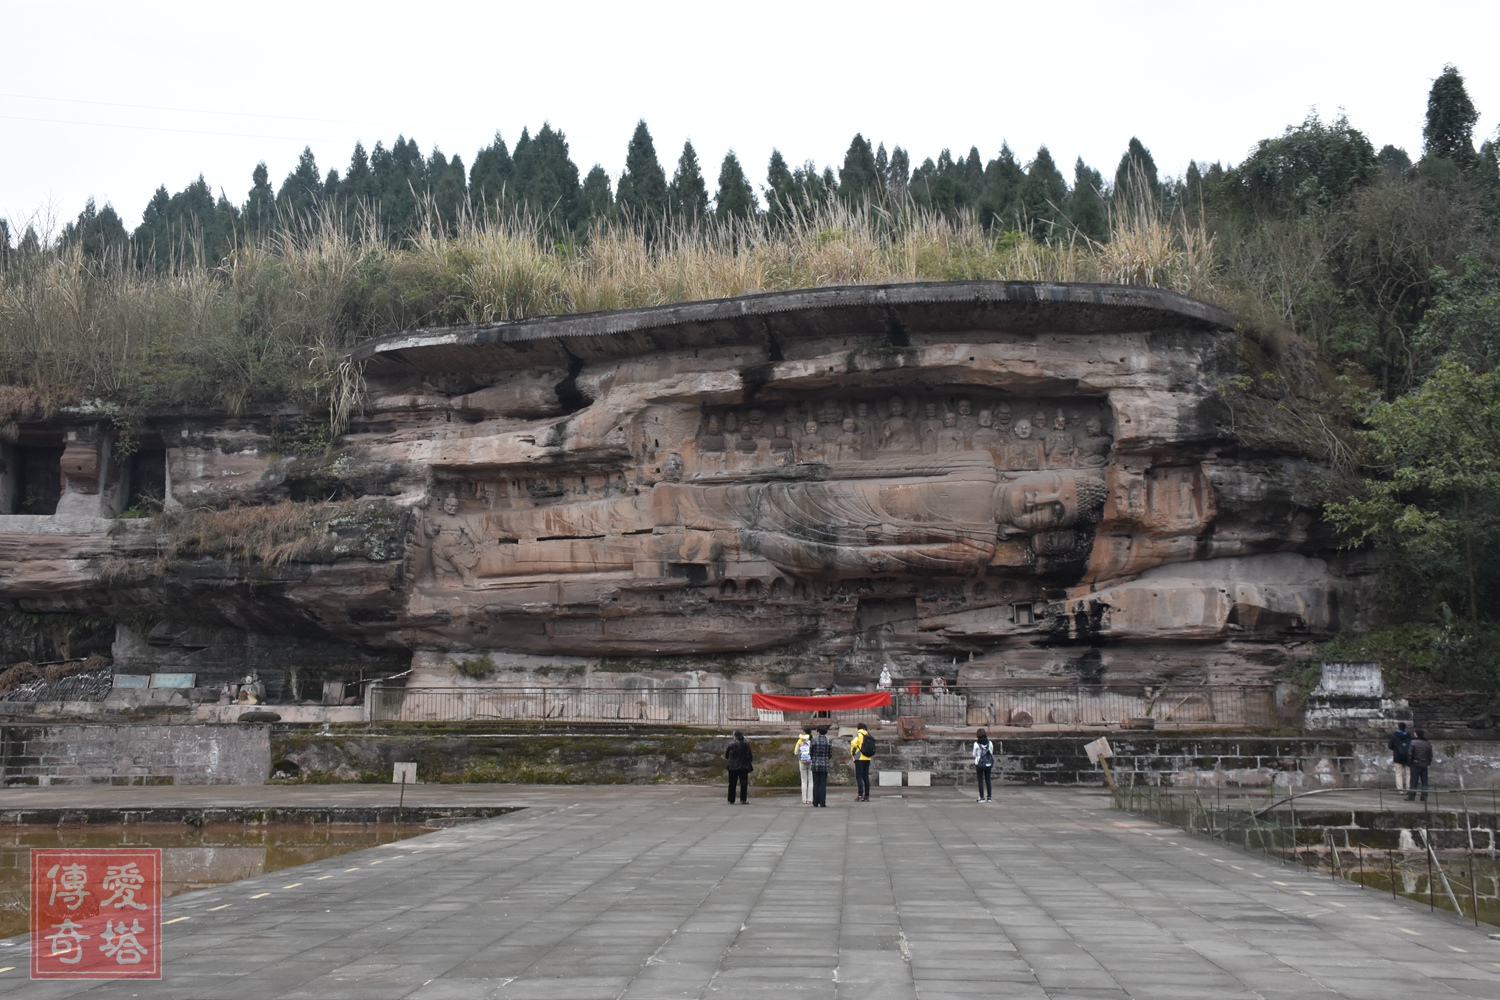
[(981, 481)]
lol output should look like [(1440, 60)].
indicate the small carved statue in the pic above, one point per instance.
[(950, 438), (783, 450), (1059, 442), (671, 468), (810, 448), (848, 442), (1093, 450)]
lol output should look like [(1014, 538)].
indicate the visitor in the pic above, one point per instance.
[(1420, 761), (984, 764), (820, 754), (739, 757), (1400, 746), (861, 763), (804, 763)]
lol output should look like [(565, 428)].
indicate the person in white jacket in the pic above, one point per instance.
[(984, 764)]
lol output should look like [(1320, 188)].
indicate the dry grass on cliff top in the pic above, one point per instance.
[(274, 321)]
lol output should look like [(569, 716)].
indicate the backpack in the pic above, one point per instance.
[(986, 758), (867, 746)]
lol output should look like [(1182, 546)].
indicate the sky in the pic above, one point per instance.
[(109, 100)]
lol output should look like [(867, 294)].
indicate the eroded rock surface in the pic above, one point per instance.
[(981, 481)]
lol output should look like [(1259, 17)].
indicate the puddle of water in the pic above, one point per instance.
[(191, 858)]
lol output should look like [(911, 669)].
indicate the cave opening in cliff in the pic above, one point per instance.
[(35, 487), (148, 478)]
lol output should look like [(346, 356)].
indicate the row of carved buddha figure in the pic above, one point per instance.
[(1021, 435)]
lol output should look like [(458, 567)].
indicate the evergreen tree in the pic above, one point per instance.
[(547, 182), (399, 175), (999, 200), (859, 181), (736, 198), (1085, 205), (1449, 131), (596, 200), (4, 245), (302, 190), (30, 245), (260, 204), (688, 194), (780, 191), (99, 232), (1393, 160), (445, 189), (1310, 166), (1043, 194), (898, 177), (971, 176), (358, 188), (187, 229), (492, 178), (642, 191), (883, 174), (1135, 177)]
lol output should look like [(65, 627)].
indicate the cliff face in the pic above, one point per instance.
[(979, 480)]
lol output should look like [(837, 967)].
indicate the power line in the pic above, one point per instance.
[(233, 114)]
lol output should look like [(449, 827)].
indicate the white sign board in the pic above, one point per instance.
[(405, 773), (1098, 750)]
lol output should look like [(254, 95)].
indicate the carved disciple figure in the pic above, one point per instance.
[(967, 423), (1002, 419), (747, 447), (1059, 442), (671, 468), (783, 451), (1021, 450), (950, 438), (931, 428), (452, 549), (848, 442), (793, 421), (1093, 450), (810, 448), (985, 437), (898, 433)]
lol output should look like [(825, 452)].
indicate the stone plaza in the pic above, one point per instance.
[(649, 893)]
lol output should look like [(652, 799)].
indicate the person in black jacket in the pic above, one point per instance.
[(821, 752), (1421, 759), (738, 757), (1400, 746)]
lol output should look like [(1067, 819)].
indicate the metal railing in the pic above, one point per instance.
[(1059, 706)]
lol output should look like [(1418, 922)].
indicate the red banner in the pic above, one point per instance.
[(820, 703), (96, 914)]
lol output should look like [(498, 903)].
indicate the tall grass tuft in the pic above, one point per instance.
[(275, 319)]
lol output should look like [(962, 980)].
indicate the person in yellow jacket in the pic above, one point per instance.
[(803, 753), (861, 763)]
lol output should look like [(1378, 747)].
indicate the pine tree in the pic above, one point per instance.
[(302, 190), (260, 204), (357, 192), (1085, 206), (1135, 177), (99, 233), (688, 195), (1449, 131), (1000, 197), (446, 187), (780, 191), (642, 191), (883, 174), (1043, 194), (492, 178), (736, 198), (859, 182), (547, 182), (596, 200), (898, 177)]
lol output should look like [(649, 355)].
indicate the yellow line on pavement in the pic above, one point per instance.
[(292, 886), (260, 895), (226, 906), (7, 968), (322, 877), (1408, 930), (354, 869), (175, 920)]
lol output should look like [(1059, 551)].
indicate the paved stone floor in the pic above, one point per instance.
[(668, 892)]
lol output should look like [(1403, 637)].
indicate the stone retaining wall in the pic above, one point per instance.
[(134, 755)]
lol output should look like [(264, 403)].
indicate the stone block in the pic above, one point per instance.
[(890, 779), (919, 779)]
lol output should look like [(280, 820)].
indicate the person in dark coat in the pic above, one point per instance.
[(1421, 760), (738, 756), (821, 751), (1400, 747)]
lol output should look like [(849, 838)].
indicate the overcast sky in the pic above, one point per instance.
[(112, 99)]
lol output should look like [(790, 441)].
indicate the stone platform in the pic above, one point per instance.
[(633, 893)]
